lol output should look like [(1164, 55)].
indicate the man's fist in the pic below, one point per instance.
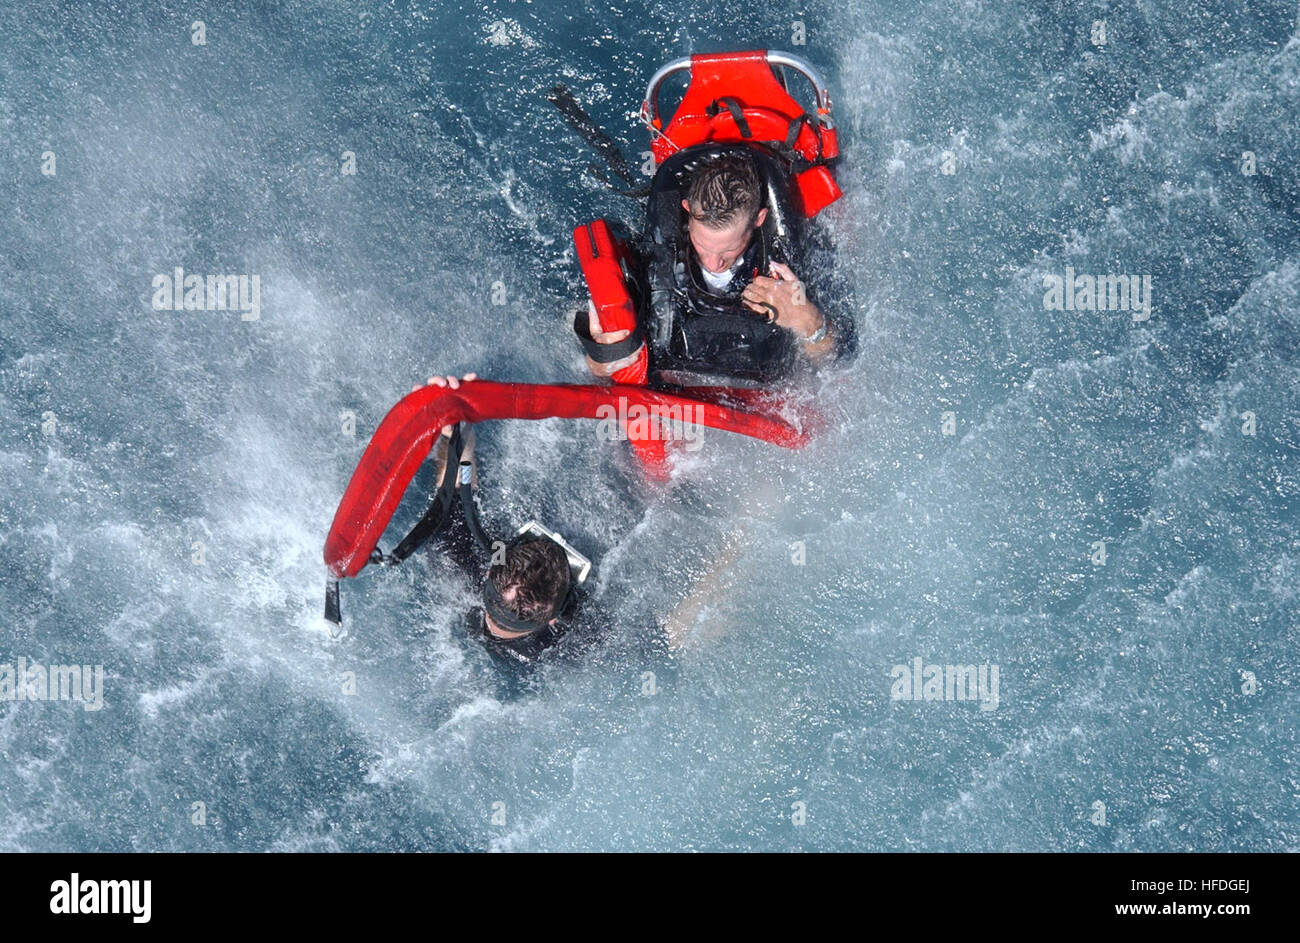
[(606, 337), (783, 299)]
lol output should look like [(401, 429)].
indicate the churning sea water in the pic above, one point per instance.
[(1102, 506)]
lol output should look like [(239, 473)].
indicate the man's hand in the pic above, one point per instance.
[(605, 370), (787, 296)]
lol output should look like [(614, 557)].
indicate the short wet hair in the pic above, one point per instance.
[(725, 191), (533, 579)]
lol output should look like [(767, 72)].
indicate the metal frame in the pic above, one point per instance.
[(650, 107), (576, 560)]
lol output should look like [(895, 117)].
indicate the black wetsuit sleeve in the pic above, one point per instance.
[(834, 297), (845, 332)]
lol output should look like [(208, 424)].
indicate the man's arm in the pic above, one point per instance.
[(467, 432), (707, 589), (817, 334), (467, 439), (817, 350)]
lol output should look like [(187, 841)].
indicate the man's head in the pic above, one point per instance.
[(724, 204), (532, 581)]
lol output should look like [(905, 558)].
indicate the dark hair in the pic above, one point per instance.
[(534, 579), (725, 191)]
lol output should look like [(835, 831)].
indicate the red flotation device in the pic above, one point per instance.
[(737, 97), (406, 436), (604, 260)]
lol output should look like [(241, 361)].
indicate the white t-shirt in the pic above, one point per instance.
[(718, 281)]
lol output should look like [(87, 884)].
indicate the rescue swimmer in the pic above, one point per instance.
[(713, 292), (727, 306)]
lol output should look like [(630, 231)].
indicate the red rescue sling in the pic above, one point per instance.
[(406, 436)]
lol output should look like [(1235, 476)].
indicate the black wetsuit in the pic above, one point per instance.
[(720, 333), (701, 335), (524, 651)]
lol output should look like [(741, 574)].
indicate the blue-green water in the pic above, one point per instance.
[(131, 435)]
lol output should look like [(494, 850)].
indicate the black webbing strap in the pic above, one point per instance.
[(605, 353), (332, 611), (736, 110), (439, 512), (471, 509), (456, 477), (792, 136), (599, 141)]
